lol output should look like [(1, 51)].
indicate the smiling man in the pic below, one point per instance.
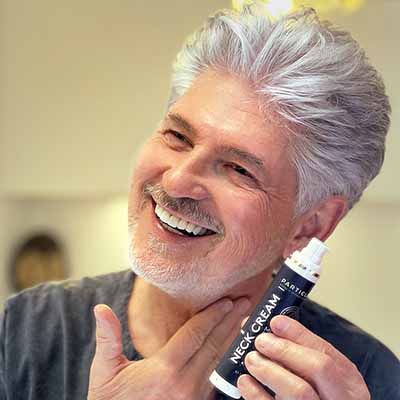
[(218, 170), (272, 132)]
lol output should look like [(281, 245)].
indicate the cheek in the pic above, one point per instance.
[(148, 166), (255, 225), (248, 225), (145, 170), (148, 163)]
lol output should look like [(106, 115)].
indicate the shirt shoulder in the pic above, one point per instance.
[(48, 334), (376, 363), (100, 286), (72, 298), (48, 307)]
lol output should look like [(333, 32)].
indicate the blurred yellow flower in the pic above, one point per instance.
[(277, 7), (326, 6), (353, 5)]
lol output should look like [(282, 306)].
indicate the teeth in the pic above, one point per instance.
[(164, 217), (197, 230), (175, 222), (190, 227), (182, 224)]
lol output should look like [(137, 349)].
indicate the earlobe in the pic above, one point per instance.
[(318, 222)]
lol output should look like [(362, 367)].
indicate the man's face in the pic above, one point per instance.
[(215, 162)]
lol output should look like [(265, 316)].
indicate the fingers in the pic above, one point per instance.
[(108, 334), (296, 350), (244, 321), (283, 382), (323, 371), (250, 389), (108, 359), (294, 331), (218, 341), (191, 336)]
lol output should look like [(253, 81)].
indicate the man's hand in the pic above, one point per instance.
[(180, 370), (296, 364)]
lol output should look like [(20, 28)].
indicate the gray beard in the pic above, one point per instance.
[(189, 283), (183, 282), (194, 282)]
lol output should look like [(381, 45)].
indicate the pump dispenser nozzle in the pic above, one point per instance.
[(309, 258), (314, 251)]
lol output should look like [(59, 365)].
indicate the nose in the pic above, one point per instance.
[(185, 177)]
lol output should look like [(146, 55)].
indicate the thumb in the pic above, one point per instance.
[(108, 359)]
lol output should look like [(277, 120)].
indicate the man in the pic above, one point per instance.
[(273, 131)]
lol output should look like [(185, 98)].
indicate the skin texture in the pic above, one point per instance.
[(174, 314)]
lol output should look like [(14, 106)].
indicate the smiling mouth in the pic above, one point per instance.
[(178, 225)]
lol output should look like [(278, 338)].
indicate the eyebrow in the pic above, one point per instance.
[(179, 120), (227, 150), (243, 155)]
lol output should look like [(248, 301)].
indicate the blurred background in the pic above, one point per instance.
[(82, 85)]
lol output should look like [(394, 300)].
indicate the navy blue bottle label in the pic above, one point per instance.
[(284, 296)]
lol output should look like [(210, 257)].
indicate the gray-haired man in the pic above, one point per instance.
[(273, 131)]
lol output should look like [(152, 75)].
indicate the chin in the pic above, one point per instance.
[(185, 283)]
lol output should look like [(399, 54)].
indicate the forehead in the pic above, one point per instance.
[(222, 100), (226, 112)]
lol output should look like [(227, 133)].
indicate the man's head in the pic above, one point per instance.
[(273, 131)]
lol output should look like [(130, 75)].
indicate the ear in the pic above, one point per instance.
[(318, 222)]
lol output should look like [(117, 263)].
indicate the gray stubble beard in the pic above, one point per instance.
[(187, 283), (191, 283)]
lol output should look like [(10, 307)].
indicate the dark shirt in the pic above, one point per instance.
[(47, 340)]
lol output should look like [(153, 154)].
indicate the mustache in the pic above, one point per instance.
[(184, 205)]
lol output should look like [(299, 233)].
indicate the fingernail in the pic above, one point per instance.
[(252, 358), (280, 324), (99, 321), (267, 341), (244, 380), (95, 312), (243, 305)]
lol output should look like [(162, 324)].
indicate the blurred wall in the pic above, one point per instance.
[(83, 83)]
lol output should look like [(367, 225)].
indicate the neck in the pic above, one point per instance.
[(154, 316)]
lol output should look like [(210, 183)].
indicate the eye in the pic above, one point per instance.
[(174, 135), (242, 171)]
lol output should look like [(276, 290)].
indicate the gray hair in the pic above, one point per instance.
[(316, 79)]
